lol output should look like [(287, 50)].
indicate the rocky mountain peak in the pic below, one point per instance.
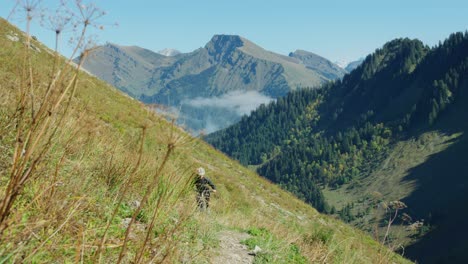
[(224, 44)]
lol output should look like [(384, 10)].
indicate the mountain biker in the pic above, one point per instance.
[(203, 184)]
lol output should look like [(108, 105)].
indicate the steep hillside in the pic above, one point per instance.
[(227, 66), (134, 63), (108, 181), (373, 138)]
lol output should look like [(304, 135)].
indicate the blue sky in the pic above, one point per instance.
[(337, 30)]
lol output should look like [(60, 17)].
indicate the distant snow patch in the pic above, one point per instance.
[(169, 52), (342, 63)]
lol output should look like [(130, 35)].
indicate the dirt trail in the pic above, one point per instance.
[(231, 250)]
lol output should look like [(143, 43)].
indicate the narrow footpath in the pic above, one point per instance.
[(231, 250)]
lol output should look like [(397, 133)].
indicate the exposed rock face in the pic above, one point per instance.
[(225, 65)]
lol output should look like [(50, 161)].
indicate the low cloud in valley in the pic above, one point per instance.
[(239, 102)]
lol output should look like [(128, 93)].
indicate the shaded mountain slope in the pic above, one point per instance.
[(442, 179), (358, 130)]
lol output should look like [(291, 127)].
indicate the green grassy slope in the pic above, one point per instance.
[(393, 129), (410, 173), (427, 171), (61, 214)]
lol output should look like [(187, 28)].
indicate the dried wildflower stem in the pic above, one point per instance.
[(390, 222), (161, 200), (395, 205), (72, 212), (40, 128), (123, 191), (25, 165), (150, 187)]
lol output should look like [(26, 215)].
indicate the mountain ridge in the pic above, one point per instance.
[(363, 127), (109, 153), (226, 64), (318, 63)]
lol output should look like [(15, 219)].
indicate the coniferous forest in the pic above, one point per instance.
[(224, 151), (328, 136)]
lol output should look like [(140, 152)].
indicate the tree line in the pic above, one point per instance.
[(329, 136)]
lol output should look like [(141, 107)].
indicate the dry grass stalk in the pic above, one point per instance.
[(39, 113), (125, 187), (171, 145)]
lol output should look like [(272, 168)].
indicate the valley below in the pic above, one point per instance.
[(103, 154)]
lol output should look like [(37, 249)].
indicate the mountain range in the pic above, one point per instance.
[(393, 130), (196, 85), (99, 170)]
